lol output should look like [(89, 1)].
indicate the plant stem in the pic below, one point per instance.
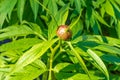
[(51, 60)]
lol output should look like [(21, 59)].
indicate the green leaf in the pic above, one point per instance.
[(78, 5), (31, 55), (109, 9), (88, 16), (108, 48), (52, 6), (111, 59), (21, 44), (61, 67), (74, 22), (116, 8), (102, 11), (6, 6), (62, 72), (2, 17), (64, 17), (15, 30), (81, 62), (35, 7), (117, 29), (20, 9), (77, 29), (100, 19), (99, 62), (45, 2), (29, 72), (56, 21)]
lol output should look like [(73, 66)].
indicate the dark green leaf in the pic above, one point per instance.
[(20, 9), (35, 7)]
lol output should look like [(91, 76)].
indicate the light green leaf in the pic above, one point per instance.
[(77, 29), (99, 62), (35, 7), (81, 62), (45, 2), (52, 6), (107, 48), (32, 54), (64, 17), (2, 17), (36, 29), (100, 19), (6, 6), (20, 9), (29, 72), (21, 44), (109, 9), (60, 67), (102, 11), (117, 29), (15, 30)]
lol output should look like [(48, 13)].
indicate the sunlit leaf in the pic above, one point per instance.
[(102, 11), (32, 54), (21, 44), (81, 62), (64, 17), (100, 19), (117, 29), (99, 62), (109, 9), (35, 69), (110, 49), (15, 30)]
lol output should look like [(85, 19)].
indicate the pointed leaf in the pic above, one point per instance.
[(109, 9), (20, 9), (15, 30), (64, 17), (78, 5), (52, 6), (99, 62), (100, 19), (81, 62), (33, 54), (21, 44), (6, 6), (35, 7)]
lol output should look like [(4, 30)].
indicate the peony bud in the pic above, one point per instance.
[(63, 32)]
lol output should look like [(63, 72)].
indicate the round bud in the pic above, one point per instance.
[(63, 32)]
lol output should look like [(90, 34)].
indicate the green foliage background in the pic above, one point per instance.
[(36, 53)]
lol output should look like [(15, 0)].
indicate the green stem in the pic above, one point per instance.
[(51, 60)]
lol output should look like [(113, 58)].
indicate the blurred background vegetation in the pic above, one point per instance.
[(95, 25)]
